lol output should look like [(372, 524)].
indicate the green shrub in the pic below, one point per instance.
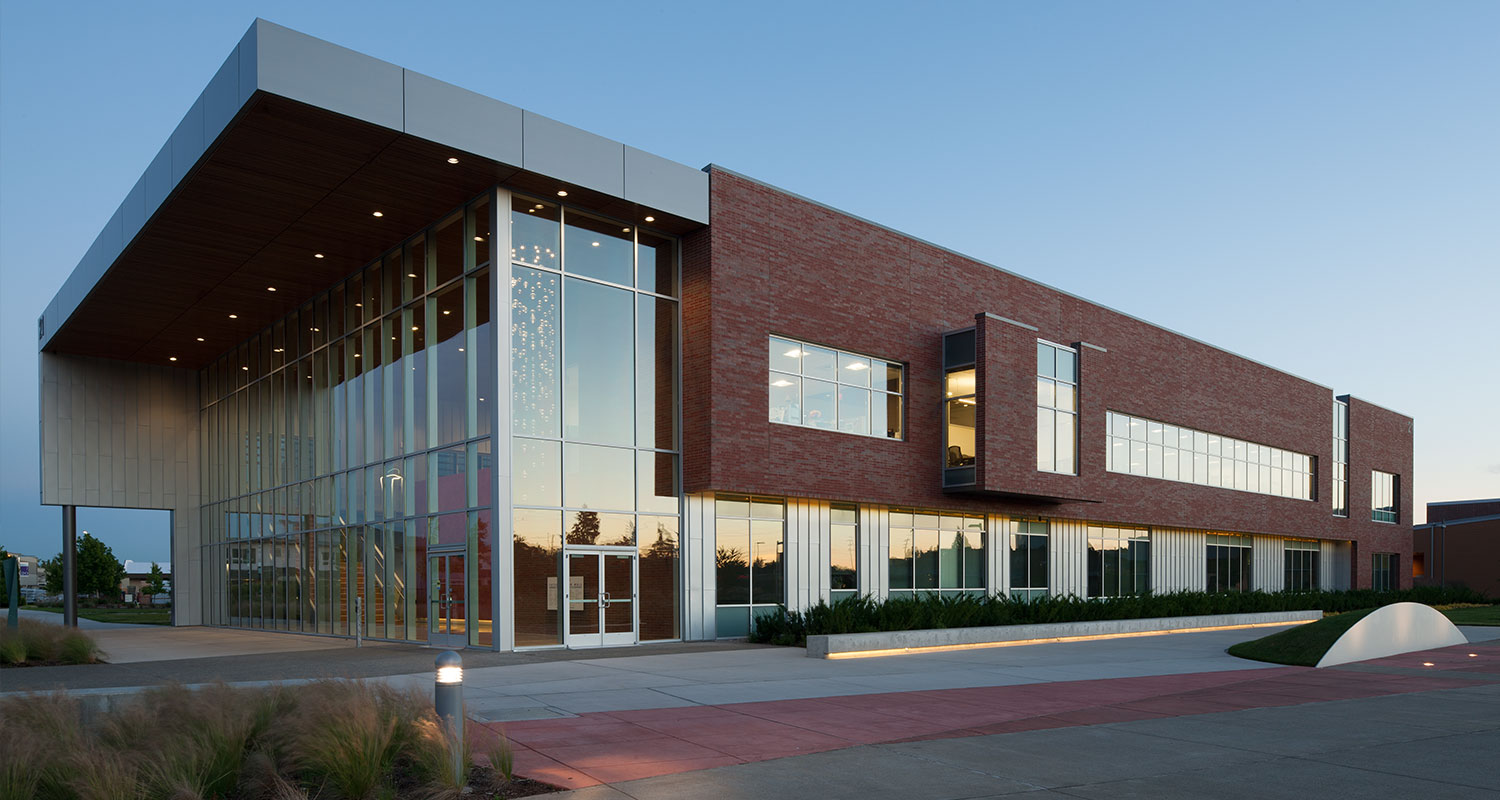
[(76, 647), (12, 651), (923, 611)]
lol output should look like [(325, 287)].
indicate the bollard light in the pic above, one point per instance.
[(448, 701)]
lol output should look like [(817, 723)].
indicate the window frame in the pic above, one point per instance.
[(837, 382), (1073, 384)]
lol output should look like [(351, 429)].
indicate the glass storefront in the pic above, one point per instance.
[(594, 429), (349, 465)]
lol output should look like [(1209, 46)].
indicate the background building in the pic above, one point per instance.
[(713, 397), (1459, 546)]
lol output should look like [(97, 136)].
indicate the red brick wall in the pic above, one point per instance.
[(772, 263)]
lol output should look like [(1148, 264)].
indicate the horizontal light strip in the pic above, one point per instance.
[(943, 648)]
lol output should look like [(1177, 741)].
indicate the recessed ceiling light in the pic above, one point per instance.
[(378, 213), (447, 312), (793, 353), (171, 358), (279, 350), (452, 160), (234, 316), (247, 369), (270, 288), (200, 338), (596, 244), (650, 219), (411, 274), (478, 238), (562, 193), (356, 355), (782, 382), (413, 327), (624, 230), (359, 305), (857, 367), (317, 255)]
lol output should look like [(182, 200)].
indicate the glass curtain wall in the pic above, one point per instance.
[(750, 569), (593, 409), (349, 437)]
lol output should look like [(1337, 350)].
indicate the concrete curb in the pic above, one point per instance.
[(850, 644)]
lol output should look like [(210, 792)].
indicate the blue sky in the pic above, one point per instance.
[(1312, 185)]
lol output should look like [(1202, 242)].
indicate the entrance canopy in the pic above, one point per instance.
[(268, 192)]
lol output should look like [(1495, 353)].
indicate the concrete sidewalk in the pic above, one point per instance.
[(1433, 744)]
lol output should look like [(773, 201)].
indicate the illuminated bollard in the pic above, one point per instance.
[(448, 701)]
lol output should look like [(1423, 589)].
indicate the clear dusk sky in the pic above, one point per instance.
[(1314, 185)]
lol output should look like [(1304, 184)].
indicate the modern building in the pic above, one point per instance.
[(400, 356), (1459, 545)]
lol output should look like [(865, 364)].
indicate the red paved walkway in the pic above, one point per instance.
[(614, 746)]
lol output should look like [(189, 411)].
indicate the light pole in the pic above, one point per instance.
[(448, 701)]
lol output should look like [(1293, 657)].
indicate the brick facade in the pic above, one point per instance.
[(773, 263)]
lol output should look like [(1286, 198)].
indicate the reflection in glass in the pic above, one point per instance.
[(536, 478), (446, 309), (658, 585), (598, 367), (535, 349), (598, 477), (785, 400), (534, 233), (656, 264), (843, 552), (854, 410), (656, 373), (538, 568), (598, 248), (819, 404)]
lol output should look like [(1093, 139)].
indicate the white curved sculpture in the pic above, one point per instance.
[(1391, 630)]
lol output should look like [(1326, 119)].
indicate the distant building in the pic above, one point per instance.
[(138, 576), (1459, 546), (32, 574)]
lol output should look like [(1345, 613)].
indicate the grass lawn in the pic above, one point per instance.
[(141, 616), (1301, 646), (1479, 615)]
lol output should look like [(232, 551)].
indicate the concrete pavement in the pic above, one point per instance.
[(1433, 744)]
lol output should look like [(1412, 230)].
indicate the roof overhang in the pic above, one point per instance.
[(287, 154)]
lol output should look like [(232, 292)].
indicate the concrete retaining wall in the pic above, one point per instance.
[(831, 645)]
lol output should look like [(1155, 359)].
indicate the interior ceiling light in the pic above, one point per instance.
[(782, 382), (171, 358), (596, 244), (200, 338), (411, 274), (650, 219), (234, 316), (317, 255), (446, 312), (857, 367), (562, 193), (279, 350), (624, 230), (793, 353), (270, 288), (247, 369), (452, 160), (378, 213)]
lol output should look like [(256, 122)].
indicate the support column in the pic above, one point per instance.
[(70, 566)]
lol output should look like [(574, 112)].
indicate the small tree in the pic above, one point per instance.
[(158, 580), (53, 569), (99, 572)]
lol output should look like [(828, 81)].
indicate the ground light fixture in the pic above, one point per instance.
[(448, 701)]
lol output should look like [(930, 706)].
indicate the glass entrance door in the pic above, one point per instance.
[(601, 598), (447, 613)]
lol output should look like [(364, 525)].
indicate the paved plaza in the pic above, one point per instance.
[(1158, 716)]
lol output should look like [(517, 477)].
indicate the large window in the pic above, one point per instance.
[(1119, 561), (1056, 408), (819, 387), (1382, 576), (594, 460), (1340, 458), (960, 409), (1302, 566), (843, 552), (751, 579), (1384, 496), (1228, 563), (936, 553), (1152, 449), (1028, 559)]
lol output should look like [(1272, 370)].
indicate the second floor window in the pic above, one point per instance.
[(820, 387), (1056, 408), (1384, 500)]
